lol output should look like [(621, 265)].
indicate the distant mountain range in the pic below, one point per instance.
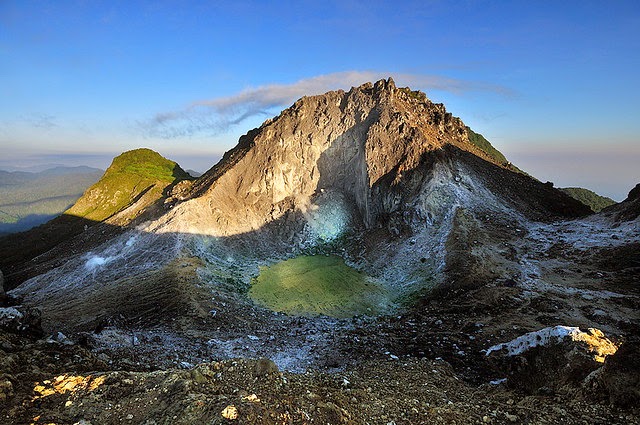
[(194, 173), (28, 199), (33, 168)]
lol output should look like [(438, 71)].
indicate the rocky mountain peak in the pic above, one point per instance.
[(376, 157), (356, 148), (376, 125), (627, 210)]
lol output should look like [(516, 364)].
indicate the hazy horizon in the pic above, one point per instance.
[(543, 165), (553, 86)]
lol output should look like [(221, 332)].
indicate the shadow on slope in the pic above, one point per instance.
[(31, 253), (25, 223), (96, 270)]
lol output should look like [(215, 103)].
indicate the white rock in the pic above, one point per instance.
[(9, 314), (556, 334)]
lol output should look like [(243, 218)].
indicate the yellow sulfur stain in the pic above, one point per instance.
[(66, 384), (598, 344), (230, 412), (251, 398)]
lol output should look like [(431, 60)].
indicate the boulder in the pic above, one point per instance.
[(21, 320), (265, 367), (620, 375), (552, 358)]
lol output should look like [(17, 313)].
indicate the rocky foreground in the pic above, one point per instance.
[(51, 380)]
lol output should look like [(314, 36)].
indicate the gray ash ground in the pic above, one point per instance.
[(426, 363), (425, 366)]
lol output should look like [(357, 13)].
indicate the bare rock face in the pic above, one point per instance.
[(376, 145), (339, 142)]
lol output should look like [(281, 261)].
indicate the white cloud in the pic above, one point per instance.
[(43, 121), (217, 115)]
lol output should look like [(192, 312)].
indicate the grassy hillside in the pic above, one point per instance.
[(482, 143), (131, 175), (30, 199), (589, 198), (134, 182)]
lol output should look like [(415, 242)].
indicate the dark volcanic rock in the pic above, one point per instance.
[(546, 361), (634, 193), (620, 375), (627, 210), (2, 294), (22, 321)]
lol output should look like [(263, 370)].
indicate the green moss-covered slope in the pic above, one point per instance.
[(132, 175), (589, 198), (478, 140)]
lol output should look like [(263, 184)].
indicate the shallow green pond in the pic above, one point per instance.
[(318, 284)]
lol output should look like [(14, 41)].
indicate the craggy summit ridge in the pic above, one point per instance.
[(359, 143)]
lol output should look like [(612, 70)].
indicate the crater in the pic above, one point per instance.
[(312, 285)]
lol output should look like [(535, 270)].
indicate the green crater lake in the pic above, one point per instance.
[(318, 285)]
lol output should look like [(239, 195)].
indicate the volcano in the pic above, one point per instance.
[(354, 226), (380, 176)]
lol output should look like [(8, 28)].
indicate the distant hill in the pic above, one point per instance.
[(131, 176), (61, 170), (194, 173), (134, 187), (29, 199), (589, 198)]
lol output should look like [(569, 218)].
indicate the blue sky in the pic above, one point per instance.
[(553, 85)]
